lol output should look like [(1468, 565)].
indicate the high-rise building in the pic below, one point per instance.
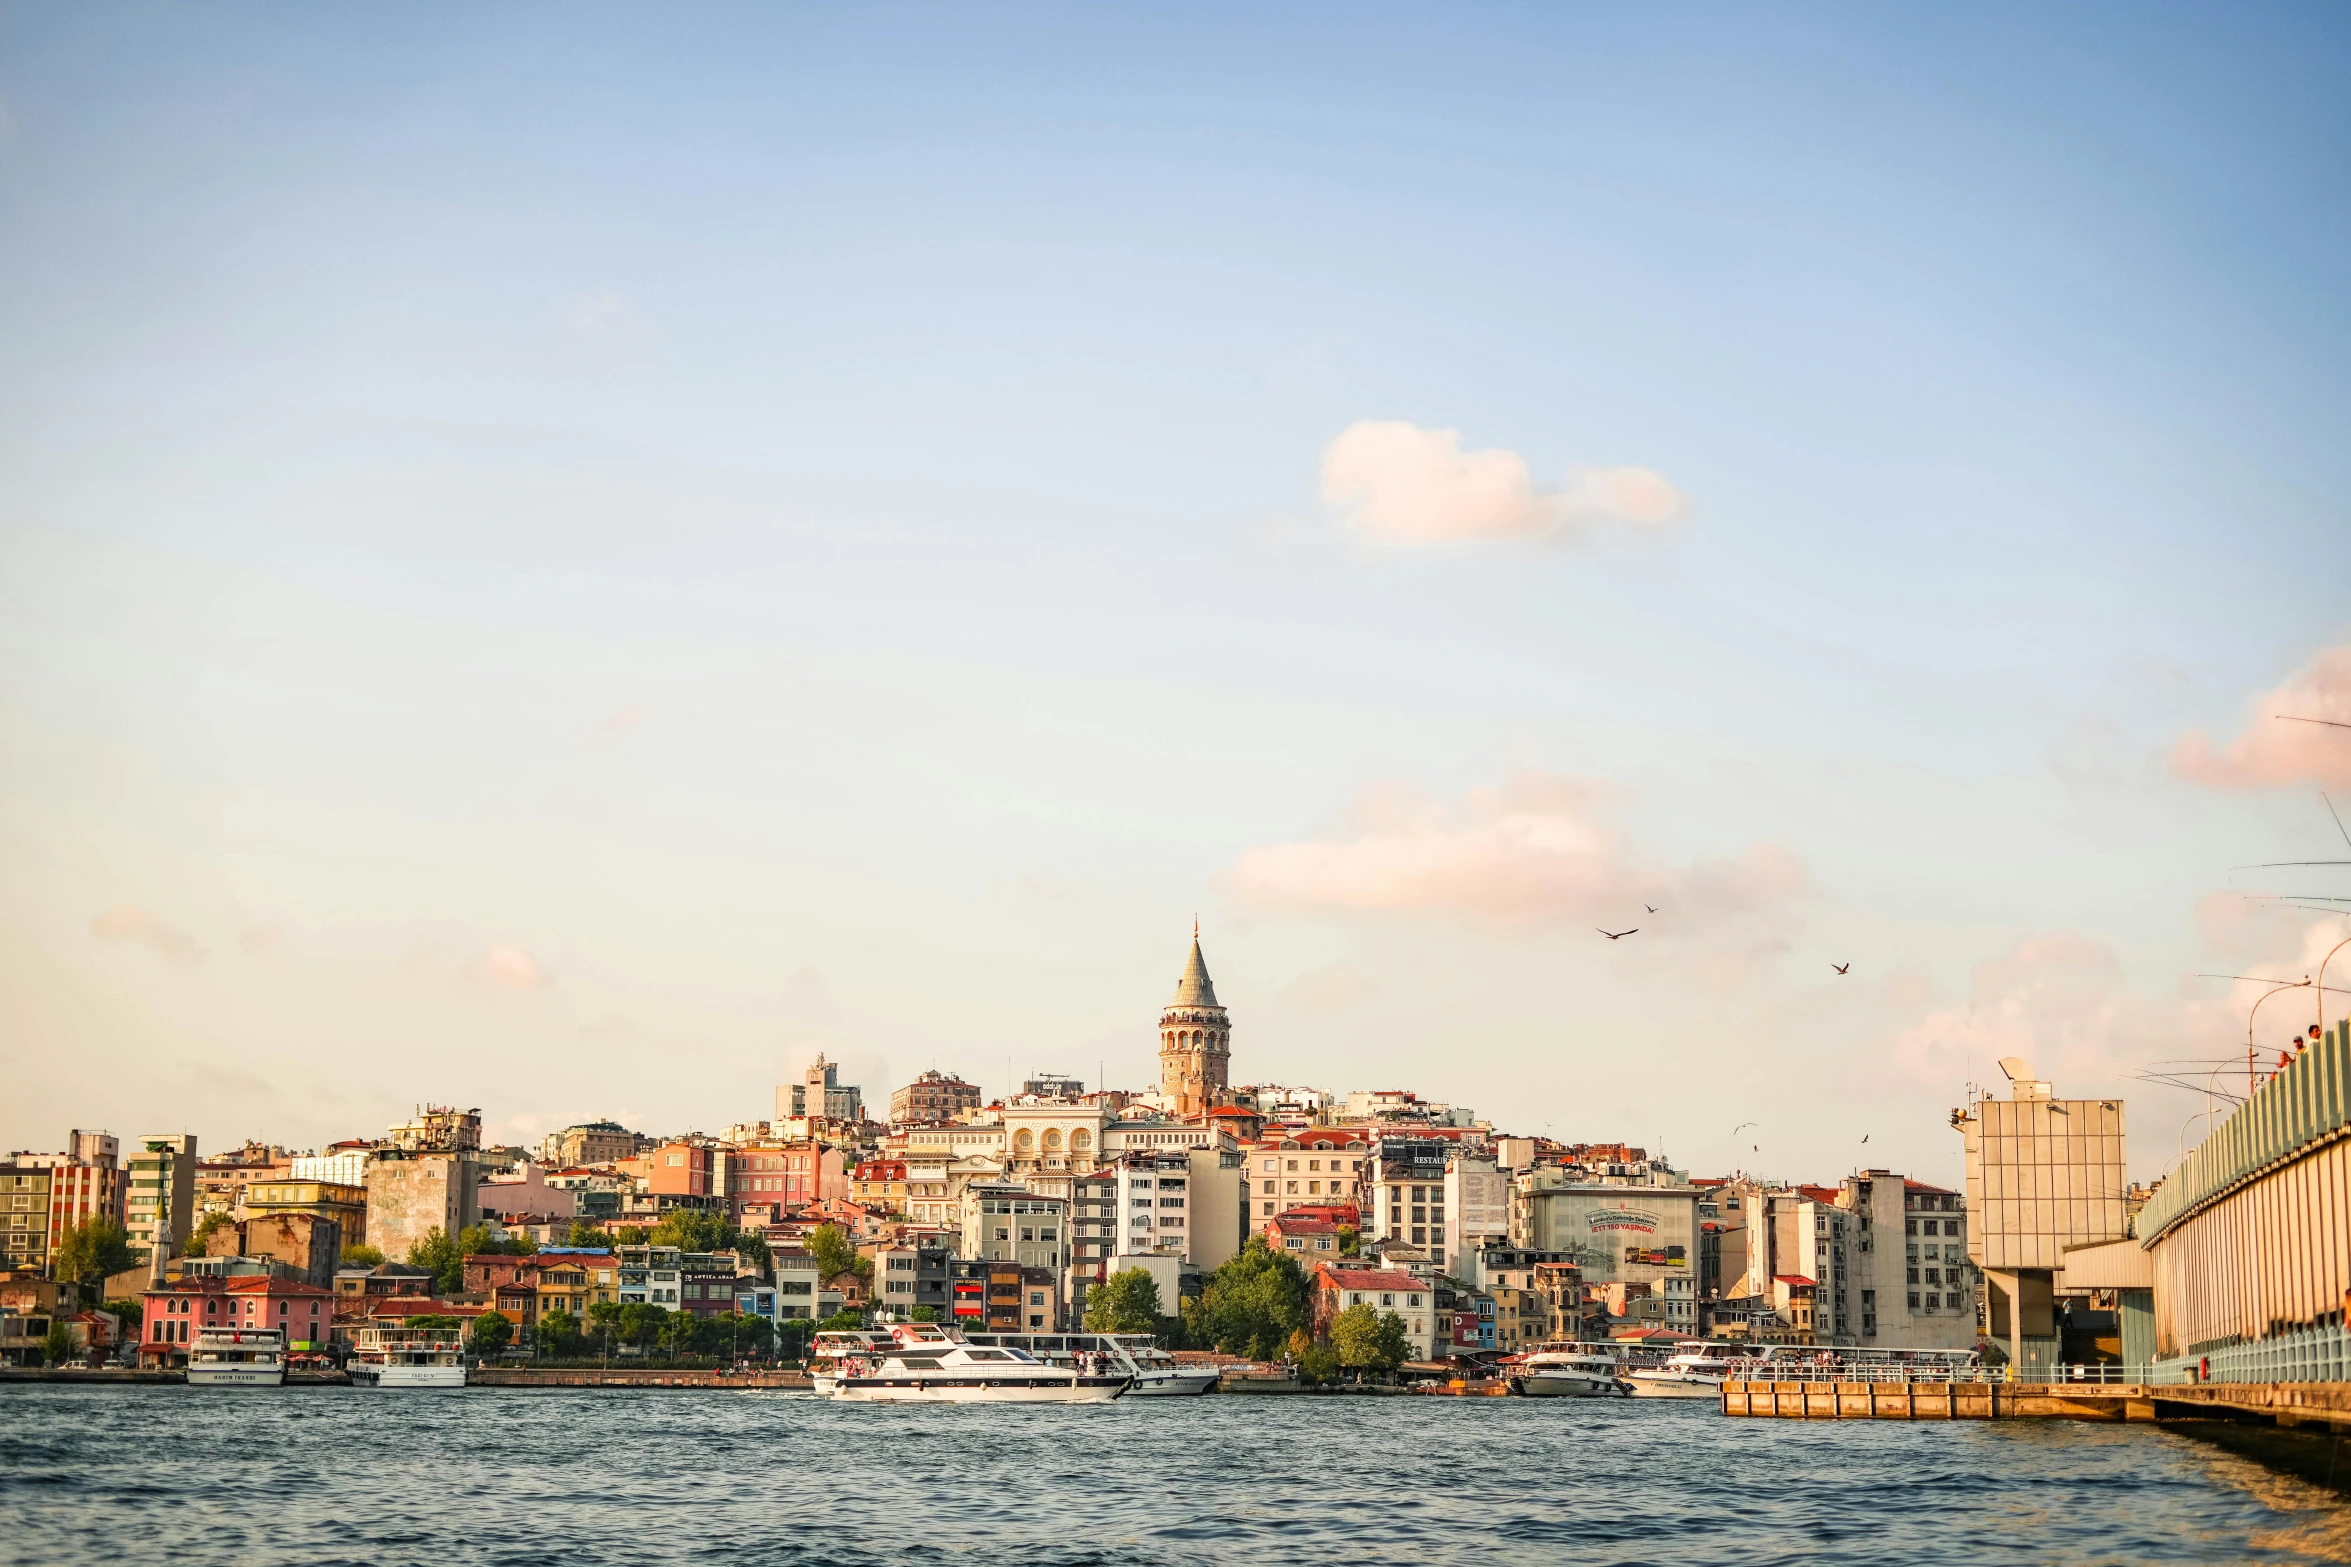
[(159, 1209), (1195, 1043), (24, 1215), (85, 1183), (933, 1097)]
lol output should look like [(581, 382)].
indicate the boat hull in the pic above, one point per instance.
[(237, 1376), (1173, 1384), (1535, 1384), (951, 1389), (365, 1375), (1675, 1387)]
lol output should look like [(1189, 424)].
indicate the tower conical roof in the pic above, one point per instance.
[(1195, 989)]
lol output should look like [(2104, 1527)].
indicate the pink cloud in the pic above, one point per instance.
[(1538, 850), (2275, 750), (129, 922), (509, 968), (1401, 484)]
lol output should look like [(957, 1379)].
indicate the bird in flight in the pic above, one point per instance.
[(1865, 1137), (1742, 1126), (1616, 935), (1651, 907), (1840, 967)]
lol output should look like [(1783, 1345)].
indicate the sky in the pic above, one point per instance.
[(567, 559)]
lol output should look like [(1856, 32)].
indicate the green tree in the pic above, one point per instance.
[(742, 1333), (210, 1225), (131, 1314), (57, 1347), (362, 1256), (586, 1235), (438, 1254), (1394, 1344), (641, 1323), (842, 1322), (434, 1322), (1126, 1302), (92, 1252), (1350, 1240), (1355, 1336), (923, 1314), (690, 1229), (492, 1332), (1251, 1305), (835, 1256), (1300, 1342), (604, 1322), (559, 1334), (1319, 1365)]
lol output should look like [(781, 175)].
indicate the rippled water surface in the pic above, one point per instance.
[(318, 1476)]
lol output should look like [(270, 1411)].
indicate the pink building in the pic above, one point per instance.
[(180, 1310)]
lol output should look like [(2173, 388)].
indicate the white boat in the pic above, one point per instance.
[(1152, 1370), (928, 1365), (408, 1357), (1696, 1369), (835, 1351), (237, 1357), (1561, 1368)]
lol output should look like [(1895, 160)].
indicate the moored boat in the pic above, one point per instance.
[(927, 1365), (1563, 1368), (1696, 1369), (408, 1357), (237, 1357)]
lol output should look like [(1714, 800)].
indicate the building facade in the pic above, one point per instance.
[(25, 1223), (932, 1097), (159, 1205)]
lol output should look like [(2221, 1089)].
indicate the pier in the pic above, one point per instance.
[(2287, 1404)]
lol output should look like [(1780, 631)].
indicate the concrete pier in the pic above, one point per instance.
[(2281, 1403)]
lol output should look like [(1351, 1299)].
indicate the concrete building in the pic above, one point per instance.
[(179, 1310), (1195, 1043), (310, 1245), (1477, 1207), (410, 1194), (1307, 1168), (682, 1169), (933, 1097), (2044, 1175), (1007, 1222), (439, 1129), (85, 1183), (159, 1206), (1407, 1190), (790, 1172), (796, 1284), (820, 1094), (344, 1163), (524, 1197), (1614, 1231), (346, 1206), (590, 1142), (1333, 1290), (25, 1223)]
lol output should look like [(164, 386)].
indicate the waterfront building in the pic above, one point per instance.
[(1195, 1042), (796, 1284), (934, 1096), (1476, 1204), (355, 1287), (1332, 1290), (1408, 1190), (1635, 1230), (179, 1309), (2044, 1175), (25, 1224), (344, 1163), (159, 1205)]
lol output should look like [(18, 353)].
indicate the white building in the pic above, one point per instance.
[(1477, 1206)]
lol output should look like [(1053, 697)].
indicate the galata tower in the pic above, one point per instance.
[(1195, 1042)]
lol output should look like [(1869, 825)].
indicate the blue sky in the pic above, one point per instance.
[(565, 560)]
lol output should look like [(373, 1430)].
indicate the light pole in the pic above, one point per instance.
[(2249, 1016), (2322, 983)]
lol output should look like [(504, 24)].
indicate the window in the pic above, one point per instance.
[(1914, 1300)]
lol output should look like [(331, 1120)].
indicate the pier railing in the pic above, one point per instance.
[(1793, 1371)]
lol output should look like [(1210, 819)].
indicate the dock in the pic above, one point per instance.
[(2325, 1404)]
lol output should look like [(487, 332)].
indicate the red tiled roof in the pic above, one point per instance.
[(1910, 1185), (1370, 1278), (1795, 1278), (1819, 1193), (1294, 1224)]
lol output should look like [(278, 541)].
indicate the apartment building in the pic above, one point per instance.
[(159, 1204)]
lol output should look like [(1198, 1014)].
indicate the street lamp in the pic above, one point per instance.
[(2322, 983), (2264, 996)]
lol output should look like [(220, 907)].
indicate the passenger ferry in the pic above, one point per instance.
[(408, 1357), (1697, 1368), (1152, 1370), (1565, 1368), (238, 1357), (926, 1364)]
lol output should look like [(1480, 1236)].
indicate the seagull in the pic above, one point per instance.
[(1742, 1126), (1865, 1137), (1840, 967), (1616, 935), (1651, 907)]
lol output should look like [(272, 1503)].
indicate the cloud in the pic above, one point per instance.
[(258, 940), (508, 968), (1536, 851), (129, 922), (1401, 484), (1335, 987), (2276, 751)]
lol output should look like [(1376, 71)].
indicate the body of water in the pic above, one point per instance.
[(518, 1478)]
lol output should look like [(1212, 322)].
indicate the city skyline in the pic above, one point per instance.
[(573, 573)]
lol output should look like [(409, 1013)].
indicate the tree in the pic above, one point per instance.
[(1251, 1305), (641, 1323), (842, 1322), (439, 1255), (210, 1225), (492, 1332), (1320, 1364), (923, 1314), (1126, 1302), (434, 1322), (1350, 1240), (690, 1229), (1394, 1343), (834, 1255), (586, 1235), (1300, 1342), (1355, 1335), (57, 1347), (362, 1256), (559, 1333), (92, 1252), (604, 1322)]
